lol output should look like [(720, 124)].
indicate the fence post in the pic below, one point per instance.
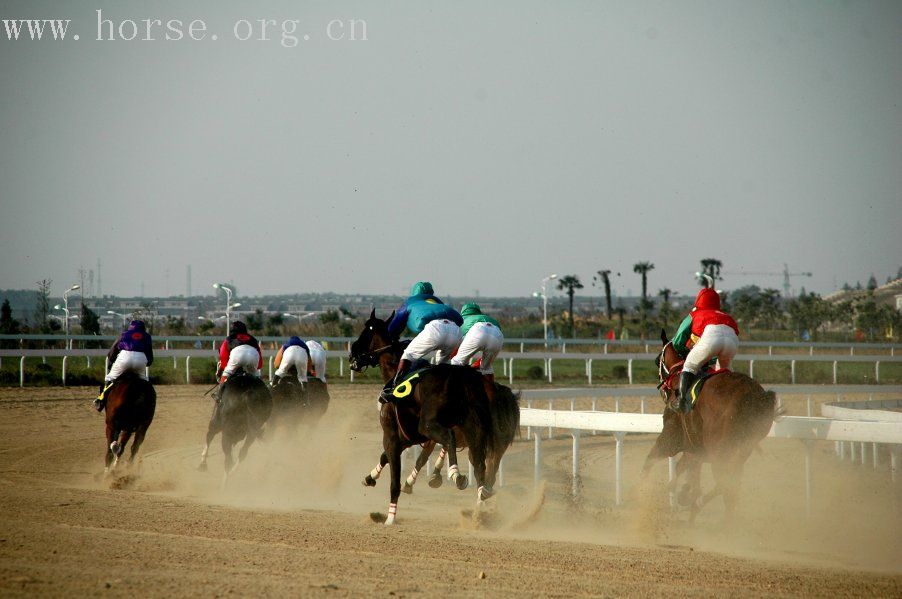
[(65, 358), (270, 368), (22, 372), (576, 483), (808, 448), (877, 371), (537, 470), (528, 428), (550, 408), (834, 371), (549, 370), (511, 372), (564, 347), (617, 404), (642, 405), (792, 371), (618, 468), (770, 350), (629, 370), (589, 370), (521, 347), (751, 369), (106, 366), (188, 370), (874, 454), (671, 474)]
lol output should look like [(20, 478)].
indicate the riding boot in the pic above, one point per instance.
[(100, 400), (686, 380), (386, 395)]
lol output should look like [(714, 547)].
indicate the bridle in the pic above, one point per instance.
[(665, 374)]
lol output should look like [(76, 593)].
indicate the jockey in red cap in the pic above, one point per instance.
[(706, 333)]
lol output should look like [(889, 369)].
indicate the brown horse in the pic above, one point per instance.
[(130, 406), (447, 400), (732, 414)]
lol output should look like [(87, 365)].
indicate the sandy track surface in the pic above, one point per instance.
[(294, 519)]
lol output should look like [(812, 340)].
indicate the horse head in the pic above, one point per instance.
[(372, 341), (667, 359)]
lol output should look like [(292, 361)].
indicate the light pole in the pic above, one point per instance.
[(545, 307), (228, 292), (122, 316), (66, 310)]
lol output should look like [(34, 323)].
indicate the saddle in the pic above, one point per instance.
[(696, 387), (411, 379)]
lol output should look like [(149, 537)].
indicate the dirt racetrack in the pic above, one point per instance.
[(294, 519)]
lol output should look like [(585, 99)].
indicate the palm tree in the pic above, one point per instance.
[(666, 309), (605, 277), (642, 268), (711, 267), (570, 283)]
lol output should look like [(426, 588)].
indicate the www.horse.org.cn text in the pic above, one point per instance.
[(288, 33)]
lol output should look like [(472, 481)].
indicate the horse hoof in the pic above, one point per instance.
[(407, 488), (114, 447), (369, 481), (435, 481), (461, 482), (202, 467), (483, 495)]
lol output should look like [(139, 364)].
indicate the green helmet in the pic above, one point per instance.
[(470, 309), (422, 287)]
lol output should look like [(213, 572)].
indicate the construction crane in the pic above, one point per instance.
[(785, 274)]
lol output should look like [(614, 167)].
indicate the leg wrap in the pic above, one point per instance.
[(413, 477), (377, 471), (453, 473)]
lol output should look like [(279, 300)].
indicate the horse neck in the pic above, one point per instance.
[(388, 362)]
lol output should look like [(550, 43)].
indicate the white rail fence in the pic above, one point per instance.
[(808, 430), (507, 359)]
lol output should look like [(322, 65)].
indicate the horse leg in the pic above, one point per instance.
[(118, 446), (136, 444), (248, 441), (108, 456), (435, 479), (394, 455), (422, 459), (212, 429), (227, 445), (693, 489), (477, 452), (454, 474), (370, 480)]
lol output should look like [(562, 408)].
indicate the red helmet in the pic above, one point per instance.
[(707, 299)]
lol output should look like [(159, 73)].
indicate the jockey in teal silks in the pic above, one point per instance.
[(435, 324)]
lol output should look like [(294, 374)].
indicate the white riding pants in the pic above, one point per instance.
[(718, 340), (441, 336), (244, 356), (294, 355), (318, 357), (482, 337), (126, 361)]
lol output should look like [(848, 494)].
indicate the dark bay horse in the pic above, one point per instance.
[(130, 406), (244, 407), (294, 405), (732, 414), (505, 410), (447, 400)]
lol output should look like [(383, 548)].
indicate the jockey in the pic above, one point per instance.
[(239, 350), (317, 360), (480, 333), (705, 333), (132, 352), (292, 353), (436, 326)]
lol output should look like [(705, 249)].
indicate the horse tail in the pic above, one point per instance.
[(778, 410), (505, 409), (476, 397)]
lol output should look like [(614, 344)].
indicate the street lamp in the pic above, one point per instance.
[(66, 310), (122, 316), (228, 292), (545, 306)]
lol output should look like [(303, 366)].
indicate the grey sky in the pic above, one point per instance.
[(476, 145)]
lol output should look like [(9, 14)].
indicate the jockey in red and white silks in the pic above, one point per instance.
[(706, 333)]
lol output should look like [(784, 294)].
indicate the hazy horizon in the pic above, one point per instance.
[(480, 147)]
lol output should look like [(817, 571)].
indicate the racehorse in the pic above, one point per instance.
[(505, 410), (130, 406), (447, 400), (731, 415), (295, 404), (243, 408)]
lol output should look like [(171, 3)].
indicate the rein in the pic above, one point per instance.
[(371, 355), (667, 376)]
